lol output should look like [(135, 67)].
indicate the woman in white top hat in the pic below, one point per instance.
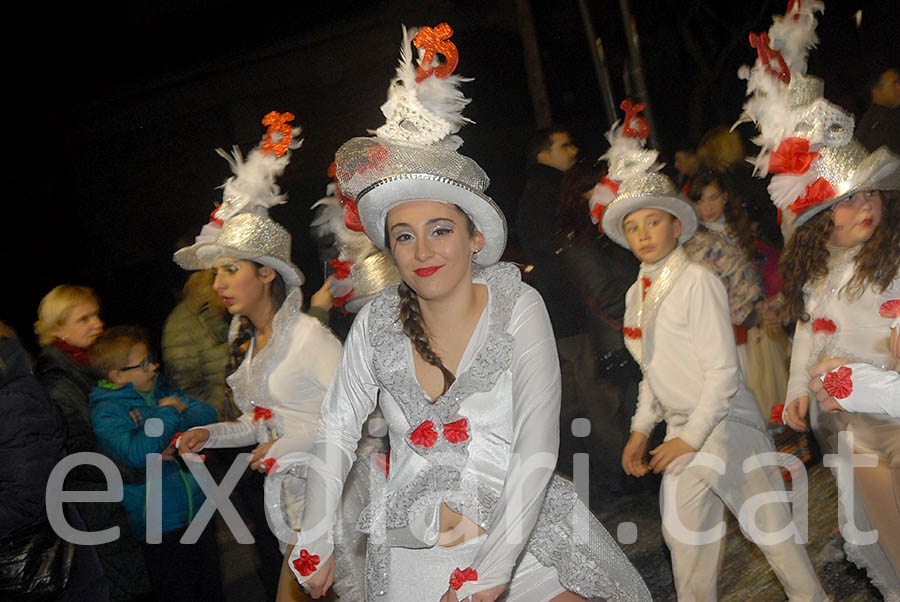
[(840, 265), (461, 358), (291, 357)]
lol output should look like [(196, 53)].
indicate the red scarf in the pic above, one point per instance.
[(79, 355)]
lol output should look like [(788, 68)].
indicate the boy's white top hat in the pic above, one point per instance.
[(633, 181)]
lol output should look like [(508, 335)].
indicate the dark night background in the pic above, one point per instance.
[(119, 107)]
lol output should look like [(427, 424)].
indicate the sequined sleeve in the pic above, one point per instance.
[(536, 399)]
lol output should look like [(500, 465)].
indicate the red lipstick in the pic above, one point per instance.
[(426, 272), (866, 222)]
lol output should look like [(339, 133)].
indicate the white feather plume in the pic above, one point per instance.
[(252, 188), (627, 156), (769, 104), (441, 98), (785, 188)]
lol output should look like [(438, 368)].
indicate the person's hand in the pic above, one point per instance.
[(667, 453), (192, 441), (170, 453), (323, 297), (174, 402), (321, 581), (135, 415), (258, 455), (826, 401), (795, 416), (635, 453), (772, 311)]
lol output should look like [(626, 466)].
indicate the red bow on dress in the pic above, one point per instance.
[(824, 325), (460, 576), (260, 413), (426, 435), (792, 156)]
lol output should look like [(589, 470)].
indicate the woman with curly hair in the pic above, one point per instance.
[(840, 267)]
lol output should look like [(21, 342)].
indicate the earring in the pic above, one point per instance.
[(476, 252)]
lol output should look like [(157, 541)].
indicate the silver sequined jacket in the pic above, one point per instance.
[(487, 448)]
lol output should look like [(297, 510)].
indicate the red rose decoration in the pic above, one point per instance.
[(817, 192), (456, 431), (824, 325), (341, 268), (792, 157), (890, 309), (270, 464), (460, 576), (838, 383), (424, 435), (632, 333), (306, 564), (260, 413), (777, 411)]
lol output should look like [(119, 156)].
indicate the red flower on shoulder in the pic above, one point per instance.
[(824, 325), (777, 411), (890, 309), (307, 563), (645, 284), (839, 383), (424, 435), (632, 333), (260, 413), (460, 576), (456, 431)]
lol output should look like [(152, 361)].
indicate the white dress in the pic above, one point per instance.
[(279, 391), (851, 328), (487, 448)]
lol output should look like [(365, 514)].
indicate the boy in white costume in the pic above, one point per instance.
[(677, 326)]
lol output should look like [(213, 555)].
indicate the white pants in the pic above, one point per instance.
[(423, 575), (698, 497)]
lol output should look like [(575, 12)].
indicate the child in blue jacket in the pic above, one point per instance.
[(129, 394)]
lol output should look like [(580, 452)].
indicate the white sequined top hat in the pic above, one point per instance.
[(633, 181), (805, 142), (240, 227), (413, 156)]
